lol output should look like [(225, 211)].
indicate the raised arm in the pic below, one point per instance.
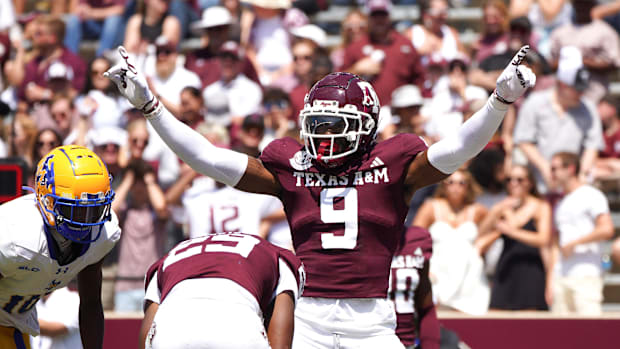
[(223, 165), (446, 156)]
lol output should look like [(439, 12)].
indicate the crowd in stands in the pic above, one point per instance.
[(521, 226)]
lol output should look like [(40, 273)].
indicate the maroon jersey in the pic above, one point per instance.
[(345, 224), (612, 146), (248, 260), (407, 265)]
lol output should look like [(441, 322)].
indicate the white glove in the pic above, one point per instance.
[(515, 79), (132, 85)]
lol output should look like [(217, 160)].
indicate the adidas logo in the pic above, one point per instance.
[(376, 163)]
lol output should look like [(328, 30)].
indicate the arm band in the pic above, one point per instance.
[(429, 328), (223, 165), (450, 153)]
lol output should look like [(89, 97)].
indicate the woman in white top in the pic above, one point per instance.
[(456, 268), (434, 40)]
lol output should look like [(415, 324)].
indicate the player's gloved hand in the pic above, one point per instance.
[(131, 84), (515, 79)]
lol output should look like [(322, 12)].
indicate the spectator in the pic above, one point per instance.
[(107, 142), (310, 32), (71, 126), (24, 7), (320, 66), (354, 27), (433, 38), (490, 68), (304, 53), (269, 46), (45, 140), (58, 320), (279, 117), (23, 51), (452, 217), (95, 19), (234, 96), (142, 210), (489, 172), (608, 163), (383, 57), (493, 39), (598, 42), (145, 27), (405, 113), (251, 134), (523, 222), (583, 221), (214, 29), (448, 107), (192, 110), (299, 81), (21, 142), (101, 98), (559, 119), (169, 78), (47, 40), (545, 17), (609, 12)]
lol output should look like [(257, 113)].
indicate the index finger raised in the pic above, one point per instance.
[(518, 58), (123, 52)]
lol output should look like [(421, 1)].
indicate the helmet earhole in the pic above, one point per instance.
[(369, 124)]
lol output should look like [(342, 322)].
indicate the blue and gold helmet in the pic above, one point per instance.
[(72, 187)]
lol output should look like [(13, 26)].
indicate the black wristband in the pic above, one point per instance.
[(500, 98)]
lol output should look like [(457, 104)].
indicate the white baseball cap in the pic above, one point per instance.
[(213, 16), (312, 32), (406, 96)]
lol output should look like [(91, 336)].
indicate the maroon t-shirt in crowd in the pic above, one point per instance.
[(345, 224), (36, 71), (407, 265), (612, 146), (206, 65), (401, 63), (248, 260)]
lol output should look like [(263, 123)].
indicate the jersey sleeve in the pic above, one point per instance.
[(275, 156), (408, 147), (292, 274), (7, 250), (152, 290)]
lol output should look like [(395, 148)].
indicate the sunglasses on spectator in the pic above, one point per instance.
[(518, 180), (164, 51), (462, 183), (304, 58), (52, 144), (60, 115), (97, 72), (114, 146), (139, 141), (281, 104)]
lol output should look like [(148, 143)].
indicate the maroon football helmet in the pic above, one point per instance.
[(339, 118)]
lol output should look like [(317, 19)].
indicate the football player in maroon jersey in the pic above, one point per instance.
[(410, 291), (345, 195), (214, 291)]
